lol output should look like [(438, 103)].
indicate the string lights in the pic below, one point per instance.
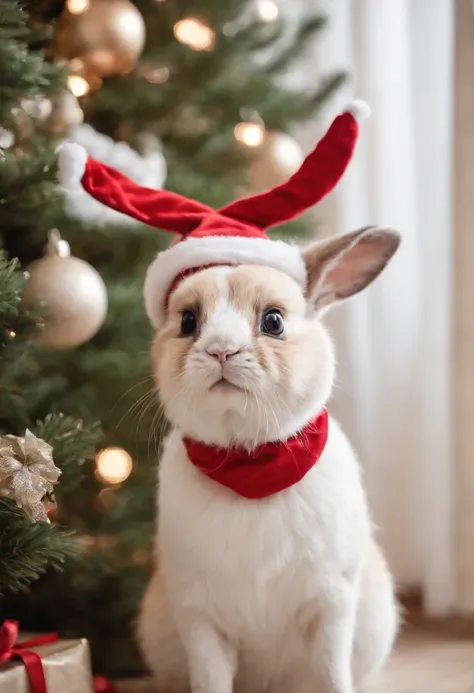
[(250, 134), (251, 130), (113, 465), (78, 85), (194, 33), (268, 10), (156, 75), (77, 6)]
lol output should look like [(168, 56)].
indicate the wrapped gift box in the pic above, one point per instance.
[(66, 665)]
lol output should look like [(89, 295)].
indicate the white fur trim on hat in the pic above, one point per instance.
[(72, 160), (196, 252), (359, 110)]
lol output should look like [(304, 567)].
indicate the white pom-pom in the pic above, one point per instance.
[(72, 159), (359, 110)]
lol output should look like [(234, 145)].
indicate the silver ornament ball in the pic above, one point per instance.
[(71, 296)]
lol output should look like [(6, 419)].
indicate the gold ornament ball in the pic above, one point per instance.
[(71, 296), (108, 36), (274, 161)]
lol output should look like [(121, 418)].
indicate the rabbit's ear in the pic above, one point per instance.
[(342, 266)]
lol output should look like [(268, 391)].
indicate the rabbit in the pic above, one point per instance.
[(289, 592)]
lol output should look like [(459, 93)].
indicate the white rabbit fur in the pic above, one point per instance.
[(289, 593)]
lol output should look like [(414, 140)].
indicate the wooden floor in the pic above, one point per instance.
[(427, 662), (428, 659)]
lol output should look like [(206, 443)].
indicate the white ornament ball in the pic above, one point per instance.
[(71, 296), (7, 138), (274, 161), (39, 108), (66, 113)]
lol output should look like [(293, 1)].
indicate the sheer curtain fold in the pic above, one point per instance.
[(395, 340), (463, 283)]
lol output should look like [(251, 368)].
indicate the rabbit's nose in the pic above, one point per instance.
[(222, 354)]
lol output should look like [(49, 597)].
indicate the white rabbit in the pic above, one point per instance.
[(290, 592), (268, 579)]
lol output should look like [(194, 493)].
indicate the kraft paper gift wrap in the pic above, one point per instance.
[(66, 665)]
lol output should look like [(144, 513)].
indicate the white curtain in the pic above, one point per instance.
[(463, 283), (395, 382)]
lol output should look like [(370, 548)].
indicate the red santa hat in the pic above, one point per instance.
[(233, 235)]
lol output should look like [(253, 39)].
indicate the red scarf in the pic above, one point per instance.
[(270, 468)]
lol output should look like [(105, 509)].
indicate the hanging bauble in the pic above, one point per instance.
[(7, 138), (69, 293), (22, 126), (38, 109), (107, 35), (277, 158), (30, 114), (66, 113)]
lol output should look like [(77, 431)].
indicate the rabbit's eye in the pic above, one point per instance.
[(188, 323), (272, 323)]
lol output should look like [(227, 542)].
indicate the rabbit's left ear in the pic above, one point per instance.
[(342, 266)]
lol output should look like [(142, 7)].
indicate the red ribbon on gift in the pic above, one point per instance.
[(10, 649), (103, 685)]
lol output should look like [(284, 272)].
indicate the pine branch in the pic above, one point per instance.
[(12, 282), (13, 21), (72, 444), (45, 10), (298, 46), (27, 550), (29, 203)]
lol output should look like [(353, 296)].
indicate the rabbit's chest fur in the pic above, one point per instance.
[(260, 569)]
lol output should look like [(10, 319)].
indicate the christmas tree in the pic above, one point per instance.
[(191, 92), (30, 437)]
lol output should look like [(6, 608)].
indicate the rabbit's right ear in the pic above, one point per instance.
[(342, 266)]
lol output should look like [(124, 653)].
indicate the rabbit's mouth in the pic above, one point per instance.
[(224, 385)]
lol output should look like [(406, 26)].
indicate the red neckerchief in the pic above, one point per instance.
[(270, 468)]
